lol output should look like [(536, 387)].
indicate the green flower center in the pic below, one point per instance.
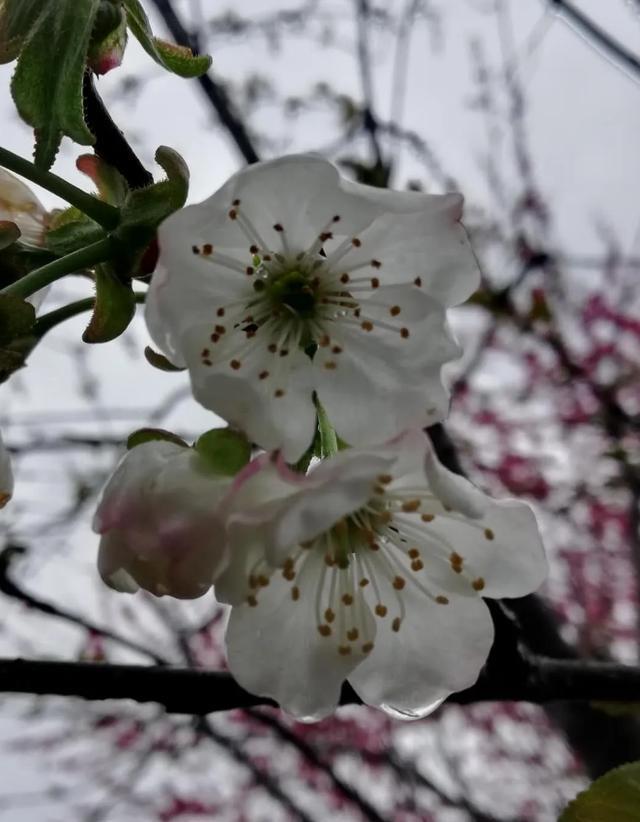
[(293, 289)]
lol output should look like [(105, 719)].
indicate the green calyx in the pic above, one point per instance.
[(293, 289)]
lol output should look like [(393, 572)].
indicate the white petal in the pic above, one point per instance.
[(452, 489), (511, 562), (372, 395), (18, 204), (111, 561), (6, 475), (431, 246), (439, 649), (275, 650)]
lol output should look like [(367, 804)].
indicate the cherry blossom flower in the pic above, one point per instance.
[(291, 280), (372, 568), (19, 205), (160, 522), (6, 475)]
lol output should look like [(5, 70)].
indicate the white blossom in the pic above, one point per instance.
[(291, 280), (6, 475), (160, 521), (19, 205), (372, 568)]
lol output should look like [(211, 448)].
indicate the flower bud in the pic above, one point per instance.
[(160, 521), (109, 38)]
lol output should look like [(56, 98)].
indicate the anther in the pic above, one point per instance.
[(253, 249), (289, 574), (417, 565), (418, 281), (356, 242), (411, 505), (394, 310), (326, 235), (284, 352), (235, 364), (376, 263), (488, 533), (478, 584), (347, 599), (330, 365), (427, 517), (195, 249), (207, 249), (252, 601), (353, 634), (220, 312), (295, 593), (385, 479), (324, 341), (364, 582), (344, 650), (375, 282), (344, 278), (272, 348), (233, 214), (404, 333), (249, 270), (278, 227), (263, 581), (413, 553), (279, 392), (381, 610), (329, 615), (366, 325), (399, 583), (214, 337), (220, 329), (336, 219), (336, 349), (456, 562), (324, 630), (442, 600), (395, 625), (263, 375), (235, 203), (367, 647)]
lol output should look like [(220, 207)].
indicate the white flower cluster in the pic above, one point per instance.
[(308, 308)]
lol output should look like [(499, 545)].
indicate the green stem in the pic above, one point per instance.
[(48, 321), (47, 274), (328, 439), (106, 215)]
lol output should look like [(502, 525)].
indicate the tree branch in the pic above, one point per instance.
[(214, 93), (197, 692)]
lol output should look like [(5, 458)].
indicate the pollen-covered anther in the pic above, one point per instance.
[(353, 634), (380, 610), (356, 243), (347, 599), (363, 582), (324, 630), (253, 249), (326, 235), (417, 565), (220, 329), (249, 270), (404, 333), (376, 263), (413, 553), (263, 581), (329, 615), (427, 517), (344, 650), (395, 625), (394, 310), (236, 202), (411, 505), (384, 479), (418, 282), (289, 574), (324, 341), (278, 227), (344, 278), (478, 584), (272, 348), (375, 282), (295, 593), (220, 312), (252, 600), (233, 214), (284, 352), (195, 249), (263, 375), (488, 534), (336, 349), (330, 365), (399, 583), (442, 600), (279, 392), (235, 364), (207, 249), (456, 562), (366, 325), (367, 647)]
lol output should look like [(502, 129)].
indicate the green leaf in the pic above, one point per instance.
[(17, 18), (16, 318), (71, 231), (224, 450), (176, 59), (151, 435), (114, 308), (615, 797), (159, 361), (9, 233), (47, 83)]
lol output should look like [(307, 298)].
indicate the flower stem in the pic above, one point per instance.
[(47, 274), (48, 321), (328, 439), (106, 215)]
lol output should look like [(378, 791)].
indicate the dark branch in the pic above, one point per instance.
[(111, 144), (214, 93), (594, 33), (188, 691)]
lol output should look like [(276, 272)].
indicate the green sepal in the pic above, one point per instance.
[(224, 450), (159, 361), (19, 259), (614, 797), (9, 234), (114, 308), (111, 185), (47, 84), (72, 230), (14, 355), (152, 435), (176, 59)]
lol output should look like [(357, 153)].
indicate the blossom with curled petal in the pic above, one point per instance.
[(6, 475), (19, 205), (372, 568), (290, 280), (159, 517)]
